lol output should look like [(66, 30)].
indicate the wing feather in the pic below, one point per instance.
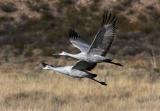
[(77, 42), (105, 36), (83, 65)]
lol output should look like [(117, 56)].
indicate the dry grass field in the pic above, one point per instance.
[(26, 87)]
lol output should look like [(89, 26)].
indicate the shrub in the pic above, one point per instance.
[(38, 5), (8, 7)]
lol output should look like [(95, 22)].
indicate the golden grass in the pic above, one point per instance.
[(32, 89)]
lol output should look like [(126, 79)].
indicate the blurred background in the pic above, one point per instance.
[(28, 27), (32, 30)]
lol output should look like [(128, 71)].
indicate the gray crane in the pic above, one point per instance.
[(96, 52), (77, 71)]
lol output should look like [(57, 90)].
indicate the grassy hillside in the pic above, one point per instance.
[(34, 24)]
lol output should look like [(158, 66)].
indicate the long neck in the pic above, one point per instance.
[(62, 70), (71, 55)]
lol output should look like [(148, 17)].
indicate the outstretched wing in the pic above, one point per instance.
[(104, 38), (77, 42), (83, 65)]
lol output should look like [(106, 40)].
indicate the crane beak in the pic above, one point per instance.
[(55, 55)]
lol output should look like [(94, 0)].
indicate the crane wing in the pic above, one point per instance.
[(77, 42), (83, 65), (105, 36)]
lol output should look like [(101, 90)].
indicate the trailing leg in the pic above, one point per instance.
[(102, 83), (110, 61)]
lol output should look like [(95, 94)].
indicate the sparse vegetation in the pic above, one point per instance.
[(46, 29)]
